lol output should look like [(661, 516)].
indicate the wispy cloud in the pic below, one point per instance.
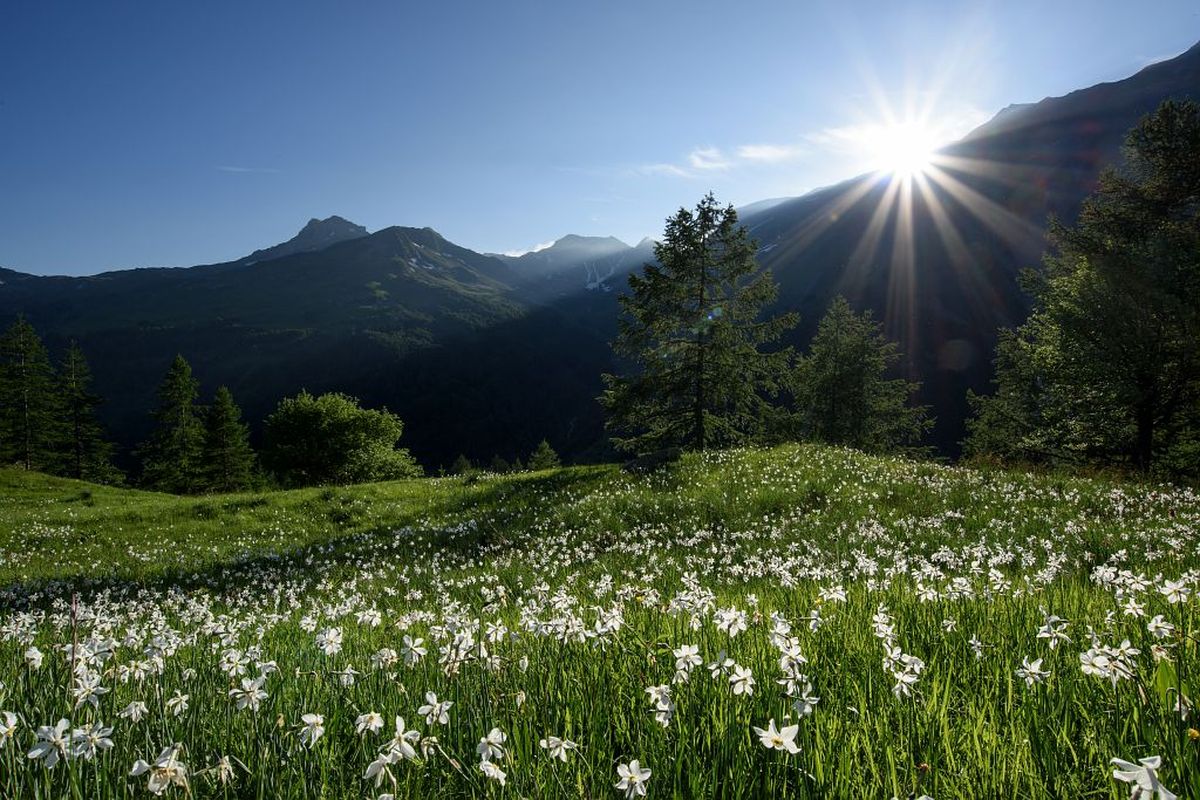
[(707, 159), (263, 170), (770, 153), (535, 249)]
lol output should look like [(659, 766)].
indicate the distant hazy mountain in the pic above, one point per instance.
[(594, 263), (485, 354)]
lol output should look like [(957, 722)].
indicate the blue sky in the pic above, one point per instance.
[(170, 134)]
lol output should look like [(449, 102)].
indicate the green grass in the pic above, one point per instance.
[(597, 576)]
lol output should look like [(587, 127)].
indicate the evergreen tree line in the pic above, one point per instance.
[(1105, 371), (48, 423)]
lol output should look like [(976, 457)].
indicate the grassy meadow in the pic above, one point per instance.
[(910, 629)]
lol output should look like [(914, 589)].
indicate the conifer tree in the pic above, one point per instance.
[(842, 392), (1107, 367), (87, 453), (499, 465), (543, 457), (171, 456), (691, 335), (30, 415), (461, 465), (227, 461)]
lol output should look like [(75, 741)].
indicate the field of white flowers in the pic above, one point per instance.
[(790, 622)]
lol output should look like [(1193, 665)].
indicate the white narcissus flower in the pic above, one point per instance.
[(1031, 671), (87, 742), (312, 728), (134, 711), (34, 658), (370, 722), (633, 779), (742, 680), (492, 771), (401, 744), (250, 695), (8, 728), (557, 748), (776, 739), (492, 745), (52, 743), (434, 711), (1143, 776), (166, 771)]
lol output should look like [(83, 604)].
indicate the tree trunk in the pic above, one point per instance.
[(1144, 446)]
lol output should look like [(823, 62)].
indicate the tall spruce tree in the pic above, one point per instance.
[(227, 460), (87, 453), (171, 457), (691, 335), (1107, 367), (30, 415), (842, 392)]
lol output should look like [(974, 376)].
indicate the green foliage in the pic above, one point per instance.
[(30, 415), (330, 439), (461, 465), (171, 457), (543, 457), (1106, 370), (841, 390), (499, 465), (691, 333), (86, 451), (766, 533), (227, 461)]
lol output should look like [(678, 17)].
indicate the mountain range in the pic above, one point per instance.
[(487, 354)]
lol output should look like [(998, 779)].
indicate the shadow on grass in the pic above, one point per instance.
[(495, 505)]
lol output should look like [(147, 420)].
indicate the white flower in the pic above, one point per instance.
[(775, 739), (8, 728), (721, 665), (1031, 671), (492, 771), (686, 657), (166, 771), (742, 681), (1159, 628), (435, 711), (401, 744), (178, 704), (1174, 591), (250, 695), (633, 779), (312, 728), (1144, 778), (91, 740), (414, 650), (557, 748), (134, 711), (329, 641), (52, 743), (492, 745), (34, 658), (368, 722)]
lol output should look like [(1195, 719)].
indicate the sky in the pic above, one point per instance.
[(171, 133)]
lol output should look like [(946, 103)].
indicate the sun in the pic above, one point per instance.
[(903, 149)]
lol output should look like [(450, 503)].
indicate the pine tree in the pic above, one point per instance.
[(30, 416), (543, 457), (87, 452), (691, 333), (842, 393), (499, 465), (171, 456), (461, 465), (1106, 369), (227, 461)]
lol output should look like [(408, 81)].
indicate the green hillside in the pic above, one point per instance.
[(883, 606)]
